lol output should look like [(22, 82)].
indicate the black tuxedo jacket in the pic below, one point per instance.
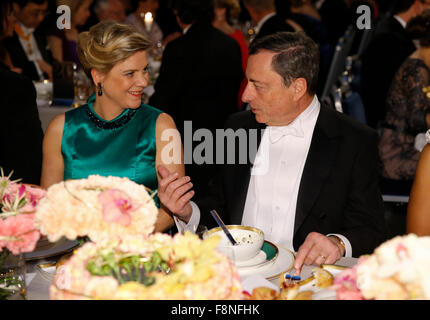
[(19, 57), (21, 132), (388, 49), (274, 24), (199, 81), (339, 190)]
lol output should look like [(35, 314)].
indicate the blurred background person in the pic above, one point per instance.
[(21, 131), (225, 20), (199, 80), (63, 42), (137, 18), (109, 10), (27, 48), (387, 50), (267, 20), (408, 108)]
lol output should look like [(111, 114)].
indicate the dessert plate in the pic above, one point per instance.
[(45, 249), (283, 262)]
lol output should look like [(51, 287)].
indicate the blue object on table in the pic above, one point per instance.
[(223, 227)]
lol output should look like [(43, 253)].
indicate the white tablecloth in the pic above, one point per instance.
[(47, 113)]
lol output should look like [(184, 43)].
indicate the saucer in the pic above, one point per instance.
[(268, 254)]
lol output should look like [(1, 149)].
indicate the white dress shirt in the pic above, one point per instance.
[(277, 172), (35, 54)]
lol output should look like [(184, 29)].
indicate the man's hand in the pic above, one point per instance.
[(174, 193), (45, 67), (317, 249)]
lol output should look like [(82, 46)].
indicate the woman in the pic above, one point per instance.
[(226, 11), (408, 108), (114, 134), (418, 217), (63, 42), (20, 132)]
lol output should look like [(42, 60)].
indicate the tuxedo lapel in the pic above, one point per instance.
[(318, 166)]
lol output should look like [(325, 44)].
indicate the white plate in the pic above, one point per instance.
[(283, 263), (321, 294), (45, 249)]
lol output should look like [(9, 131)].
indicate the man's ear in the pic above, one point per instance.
[(300, 87)]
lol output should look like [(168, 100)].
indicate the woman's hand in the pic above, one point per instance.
[(174, 193)]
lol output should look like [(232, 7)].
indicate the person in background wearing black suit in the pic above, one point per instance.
[(28, 46), (313, 186), (21, 131), (199, 78), (388, 49), (263, 13)]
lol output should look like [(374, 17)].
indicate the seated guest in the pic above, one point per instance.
[(408, 107), (418, 216), (313, 184), (388, 49), (226, 11), (263, 14), (21, 131), (63, 42), (199, 79), (7, 33), (27, 47), (114, 134)]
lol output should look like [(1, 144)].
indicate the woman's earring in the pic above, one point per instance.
[(99, 89)]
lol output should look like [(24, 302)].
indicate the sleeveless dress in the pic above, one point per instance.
[(123, 147)]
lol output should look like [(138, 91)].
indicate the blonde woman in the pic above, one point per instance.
[(63, 42), (114, 134)]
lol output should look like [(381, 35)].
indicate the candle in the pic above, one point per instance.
[(148, 21)]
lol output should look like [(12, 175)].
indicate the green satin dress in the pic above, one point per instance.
[(123, 147)]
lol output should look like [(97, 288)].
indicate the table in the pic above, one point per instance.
[(38, 287)]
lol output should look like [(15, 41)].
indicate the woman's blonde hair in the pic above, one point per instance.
[(232, 8), (108, 43)]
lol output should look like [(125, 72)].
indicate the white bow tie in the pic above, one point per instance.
[(294, 129)]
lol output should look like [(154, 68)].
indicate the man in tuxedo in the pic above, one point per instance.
[(28, 47), (263, 14), (200, 77), (387, 50), (313, 186)]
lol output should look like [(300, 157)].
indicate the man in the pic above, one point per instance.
[(319, 193), (263, 14), (28, 46), (199, 79), (387, 50)]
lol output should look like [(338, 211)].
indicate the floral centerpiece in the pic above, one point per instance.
[(159, 267), (398, 269), (98, 207), (17, 232)]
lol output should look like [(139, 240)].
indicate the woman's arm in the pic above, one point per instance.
[(53, 162), (169, 154), (418, 217), (56, 45)]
